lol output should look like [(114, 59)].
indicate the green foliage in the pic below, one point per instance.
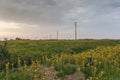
[(15, 75), (4, 54), (22, 47), (28, 50), (65, 69), (61, 73), (87, 71), (18, 38), (69, 69)]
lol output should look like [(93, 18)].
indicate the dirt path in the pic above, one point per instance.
[(75, 76), (50, 74)]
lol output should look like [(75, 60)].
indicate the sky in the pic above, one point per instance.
[(42, 19)]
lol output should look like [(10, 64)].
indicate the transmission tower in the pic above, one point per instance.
[(75, 30)]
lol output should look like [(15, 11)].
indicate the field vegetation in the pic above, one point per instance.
[(84, 59)]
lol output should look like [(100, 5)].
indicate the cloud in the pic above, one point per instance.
[(46, 16), (32, 12)]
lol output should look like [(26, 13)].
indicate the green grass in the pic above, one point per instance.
[(29, 50), (56, 46)]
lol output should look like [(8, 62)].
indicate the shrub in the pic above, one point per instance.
[(65, 69), (16, 75), (4, 54), (61, 73), (69, 69)]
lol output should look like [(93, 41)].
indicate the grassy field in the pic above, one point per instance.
[(85, 59)]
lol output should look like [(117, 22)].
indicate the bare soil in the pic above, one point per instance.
[(50, 74)]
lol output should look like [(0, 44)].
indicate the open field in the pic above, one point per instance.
[(85, 59)]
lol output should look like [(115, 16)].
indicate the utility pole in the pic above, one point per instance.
[(50, 36), (57, 35), (75, 30)]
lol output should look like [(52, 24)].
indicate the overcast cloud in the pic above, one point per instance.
[(40, 18)]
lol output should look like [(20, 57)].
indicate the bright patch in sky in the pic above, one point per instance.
[(7, 25)]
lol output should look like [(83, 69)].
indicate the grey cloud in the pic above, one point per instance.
[(61, 14), (51, 11), (34, 12), (29, 11)]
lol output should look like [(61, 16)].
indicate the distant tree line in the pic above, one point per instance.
[(21, 39)]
